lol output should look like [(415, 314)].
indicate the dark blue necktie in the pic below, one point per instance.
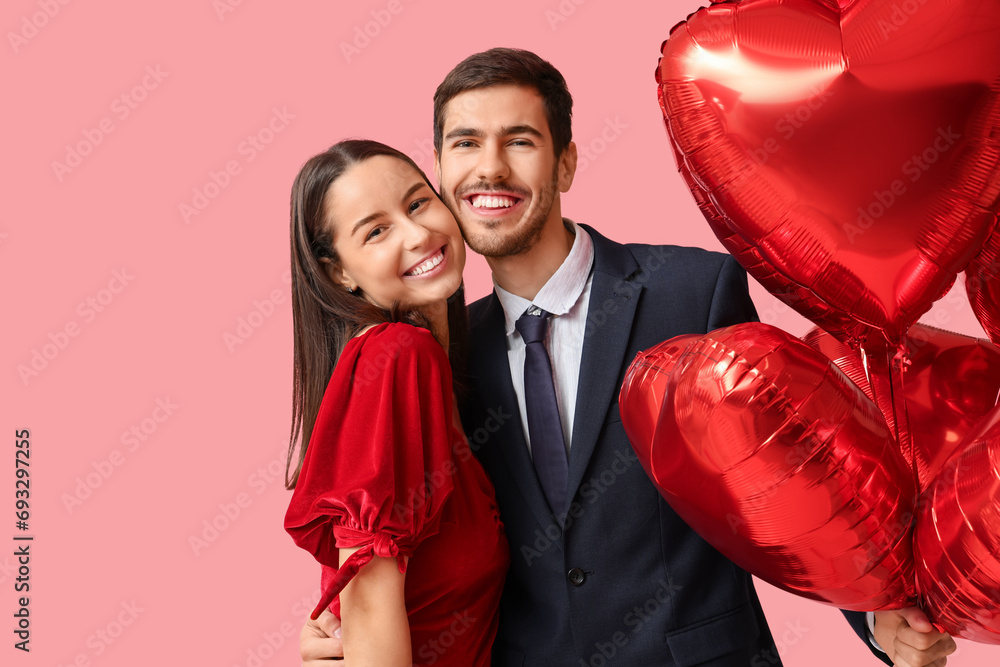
[(548, 448)]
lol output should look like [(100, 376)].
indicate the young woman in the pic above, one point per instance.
[(387, 495)]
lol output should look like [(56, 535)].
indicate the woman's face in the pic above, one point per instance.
[(396, 241)]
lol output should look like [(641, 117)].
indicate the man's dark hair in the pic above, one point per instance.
[(503, 66)]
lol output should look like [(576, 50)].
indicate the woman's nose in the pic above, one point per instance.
[(415, 234)]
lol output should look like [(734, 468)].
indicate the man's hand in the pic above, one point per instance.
[(909, 639), (319, 641)]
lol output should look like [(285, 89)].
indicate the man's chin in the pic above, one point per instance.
[(496, 245), (501, 236)]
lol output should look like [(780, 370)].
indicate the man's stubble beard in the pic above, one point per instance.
[(490, 243)]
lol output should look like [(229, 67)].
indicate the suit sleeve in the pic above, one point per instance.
[(860, 627), (731, 303)]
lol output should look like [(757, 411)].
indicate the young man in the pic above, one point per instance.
[(602, 570)]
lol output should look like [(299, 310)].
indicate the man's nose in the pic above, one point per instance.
[(492, 164)]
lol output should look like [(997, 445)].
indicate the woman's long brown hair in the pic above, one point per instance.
[(325, 315)]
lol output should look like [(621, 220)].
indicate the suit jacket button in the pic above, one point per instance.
[(576, 576)]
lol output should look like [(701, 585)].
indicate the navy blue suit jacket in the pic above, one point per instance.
[(860, 626), (625, 581)]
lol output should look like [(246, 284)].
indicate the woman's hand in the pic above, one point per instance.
[(319, 641)]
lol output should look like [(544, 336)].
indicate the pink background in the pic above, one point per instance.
[(172, 292)]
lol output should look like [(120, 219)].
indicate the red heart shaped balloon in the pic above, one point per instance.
[(645, 389), (773, 456), (845, 152), (694, 406), (950, 384), (957, 539), (982, 281)]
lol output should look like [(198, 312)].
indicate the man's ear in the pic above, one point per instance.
[(437, 167), (567, 167)]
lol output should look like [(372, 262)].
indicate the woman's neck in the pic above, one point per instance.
[(437, 316)]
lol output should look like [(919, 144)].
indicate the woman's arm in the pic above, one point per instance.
[(376, 631)]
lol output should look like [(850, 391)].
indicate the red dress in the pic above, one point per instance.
[(389, 470)]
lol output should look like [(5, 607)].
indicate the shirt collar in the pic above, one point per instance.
[(563, 289)]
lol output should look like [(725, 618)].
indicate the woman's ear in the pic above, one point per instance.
[(338, 275)]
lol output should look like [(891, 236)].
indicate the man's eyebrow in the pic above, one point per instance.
[(377, 214), (465, 132), (504, 132), (520, 129)]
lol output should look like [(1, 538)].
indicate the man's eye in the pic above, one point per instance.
[(463, 144)]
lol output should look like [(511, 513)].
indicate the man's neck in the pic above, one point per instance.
[(525, 274)]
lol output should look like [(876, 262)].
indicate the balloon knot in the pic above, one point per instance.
[(902, 359)]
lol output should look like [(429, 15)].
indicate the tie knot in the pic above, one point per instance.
[(532, 325)]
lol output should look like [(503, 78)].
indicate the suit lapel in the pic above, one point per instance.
[(492, 368), (614, 296)]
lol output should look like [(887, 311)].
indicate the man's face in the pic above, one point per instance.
[(497, 170)]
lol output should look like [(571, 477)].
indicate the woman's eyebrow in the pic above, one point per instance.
[(377, 214)]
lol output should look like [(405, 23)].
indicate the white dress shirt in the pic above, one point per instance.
[(870, 620), (566, 296)]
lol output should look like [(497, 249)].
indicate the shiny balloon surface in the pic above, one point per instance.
[(844, 152), (847, 153), (767, 449)]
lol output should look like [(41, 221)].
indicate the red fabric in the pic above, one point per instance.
[(388, 470)]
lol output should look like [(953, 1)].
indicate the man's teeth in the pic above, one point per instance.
[(483, 201), (428, 265)]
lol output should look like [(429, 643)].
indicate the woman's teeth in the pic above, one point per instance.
[(428, 265)]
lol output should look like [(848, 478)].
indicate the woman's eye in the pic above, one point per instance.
[(374, 233), (416, 205)]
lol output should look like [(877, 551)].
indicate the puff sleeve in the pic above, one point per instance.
[(379, 465)]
